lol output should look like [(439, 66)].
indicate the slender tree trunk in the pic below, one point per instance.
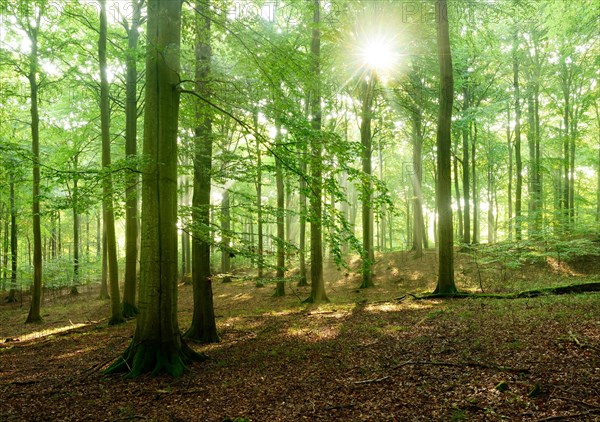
[(76, 227), (367, 194), (203, 328), (510, 174), (303, 211), (475, 237), (532, 201), (225, 239), (12, 294), (259, 217), (104, 277), (317, 284), (128, 306), (445, 283), (107, 189), (418, 228), (466, 236), (457, 192), (34, 315), (280, 273), (518, 162)]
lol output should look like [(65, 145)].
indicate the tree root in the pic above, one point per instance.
[(128, 310), (154, 357), (560, 290)]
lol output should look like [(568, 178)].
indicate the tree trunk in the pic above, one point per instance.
[(131, 191), (107, 189), (510, 174), (225, 239), (104, 277), (518, 162), (157, 344), (36, 292), (203, 328), (418, 228), (317, 284), (457, 192), (367, 194), (259, 251), (12, 294), (303, 210), (445, 283), (280, 272), (76, 226), (475, 237), (466, 236)]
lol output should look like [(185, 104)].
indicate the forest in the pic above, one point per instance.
[(247, 210)]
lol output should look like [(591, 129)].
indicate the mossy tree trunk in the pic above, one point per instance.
[(445, 284), (12, 294), (203, 326)]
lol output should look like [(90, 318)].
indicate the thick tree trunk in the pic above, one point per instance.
[(445, 283), (203, 328), (36, 292), (131, 191), (107, 188), (157, 344), (367, 194), (317, 284), (280, 272)]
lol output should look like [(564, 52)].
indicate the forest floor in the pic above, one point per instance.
[(367, 355)]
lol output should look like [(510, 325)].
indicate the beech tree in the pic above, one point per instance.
[(157, 344)]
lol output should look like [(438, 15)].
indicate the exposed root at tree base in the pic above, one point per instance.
[(154, 358), (128, 310)]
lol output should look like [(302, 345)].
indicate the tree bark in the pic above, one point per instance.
[(475, 237), (225, 239), (445, 283), (466, 236), (76, 227), (128, 306), (107, 188)]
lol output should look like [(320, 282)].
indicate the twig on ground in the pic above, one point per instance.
[(588, 405), (563, 417), (371, 381), (339, 406)]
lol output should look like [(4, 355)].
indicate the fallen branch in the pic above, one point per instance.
[(582, 403), (371, 381)]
